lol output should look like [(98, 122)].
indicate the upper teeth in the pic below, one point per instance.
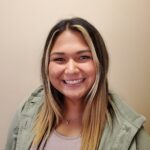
[(73, 81)]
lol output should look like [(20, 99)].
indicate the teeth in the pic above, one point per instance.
[(73, 81)]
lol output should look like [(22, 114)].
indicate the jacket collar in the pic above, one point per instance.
[(124, 123)]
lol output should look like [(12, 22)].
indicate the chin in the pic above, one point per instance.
[(73, 97)]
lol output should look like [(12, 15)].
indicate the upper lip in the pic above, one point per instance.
[(73, 79)]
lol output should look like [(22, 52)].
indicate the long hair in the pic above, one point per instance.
[(96, 101)]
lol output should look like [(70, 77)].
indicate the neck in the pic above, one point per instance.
[(73, 109), (71, 123)]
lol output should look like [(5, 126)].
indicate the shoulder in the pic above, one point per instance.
[(35, 96), (32, 104), (142, 140), (125, 127), (34, 101), (125, 113), (24, 116)]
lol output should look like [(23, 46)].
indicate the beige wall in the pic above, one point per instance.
[(24, 25)]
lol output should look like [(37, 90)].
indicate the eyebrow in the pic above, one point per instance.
[(83, 51), (62, 53)]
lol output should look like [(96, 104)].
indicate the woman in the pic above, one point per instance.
[(74, 109)]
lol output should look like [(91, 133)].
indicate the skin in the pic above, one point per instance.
[(72, 72)]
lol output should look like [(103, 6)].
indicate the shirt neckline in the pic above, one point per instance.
[(56, 133)]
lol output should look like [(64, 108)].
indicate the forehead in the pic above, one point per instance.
[(70, 40)]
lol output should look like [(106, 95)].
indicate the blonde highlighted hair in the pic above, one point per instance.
[(96, 101)]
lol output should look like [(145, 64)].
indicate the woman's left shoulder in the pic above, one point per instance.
[(132, 121)]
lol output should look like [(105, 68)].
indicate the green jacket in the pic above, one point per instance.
[(127, 132)]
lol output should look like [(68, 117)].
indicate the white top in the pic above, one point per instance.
[(56, 141)]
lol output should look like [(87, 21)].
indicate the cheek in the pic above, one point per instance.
[(91, 71), (54, 71), (53, 77)]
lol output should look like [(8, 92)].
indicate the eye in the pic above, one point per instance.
[(85, 57), (58, 60)]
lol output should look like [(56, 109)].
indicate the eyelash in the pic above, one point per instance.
[(85, 57), (58, 59)]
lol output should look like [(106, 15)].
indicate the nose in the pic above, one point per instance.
[(71, 67)]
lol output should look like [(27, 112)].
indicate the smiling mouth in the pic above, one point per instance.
[(74, 81)]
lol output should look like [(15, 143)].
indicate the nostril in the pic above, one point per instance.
[(71, 70)]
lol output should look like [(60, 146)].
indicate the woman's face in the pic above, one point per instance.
[(71, 69)]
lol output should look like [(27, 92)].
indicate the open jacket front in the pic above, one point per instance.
[(127, 131)]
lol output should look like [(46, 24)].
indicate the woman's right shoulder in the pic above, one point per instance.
[(36, 95), (24, 115), (34, 101), (31, 105)]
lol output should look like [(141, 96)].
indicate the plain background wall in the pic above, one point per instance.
[(24, 25)]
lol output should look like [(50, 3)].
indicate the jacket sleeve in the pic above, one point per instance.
[(35, 97), (142, 140), (13, 132)]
